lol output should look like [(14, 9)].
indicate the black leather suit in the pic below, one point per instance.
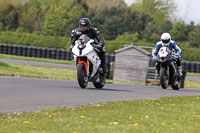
[(93, 33)]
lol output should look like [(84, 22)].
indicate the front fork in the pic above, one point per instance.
[(171, 71), (86, 64), (166, 66)]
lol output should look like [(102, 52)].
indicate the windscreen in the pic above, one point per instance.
[(84, 39)]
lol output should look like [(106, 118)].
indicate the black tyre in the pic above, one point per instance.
[(81, 76), (177, 86), (101, 83), (163, 78)]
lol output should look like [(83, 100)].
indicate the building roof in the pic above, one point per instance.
[(135, 47)]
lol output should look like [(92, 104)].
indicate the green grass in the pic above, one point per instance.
[(45, 72), (124, 82), (36, 59), (193, 74), (165, 115), (4, 65), (192, 84), (36, 71)]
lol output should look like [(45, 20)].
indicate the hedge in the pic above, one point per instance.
[(190, 54), (36, 40), (28, 39)]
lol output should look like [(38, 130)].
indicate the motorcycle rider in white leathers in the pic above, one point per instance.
[(165, 41)]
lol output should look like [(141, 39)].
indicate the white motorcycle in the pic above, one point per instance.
[(88, 63)]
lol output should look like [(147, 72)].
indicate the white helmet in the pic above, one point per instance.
[(165, 38)]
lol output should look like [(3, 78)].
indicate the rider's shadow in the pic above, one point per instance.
[(107, 89)]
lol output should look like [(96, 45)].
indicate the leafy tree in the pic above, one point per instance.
[(128, 37), (1, 27), (190, 27), (194, 37), (116, 21), (153, 30), (150, 32), (9, 11), (62, 18), (165, 26), (32, 14), (179, 32), (101, 5), (161, 10), (55, 21)]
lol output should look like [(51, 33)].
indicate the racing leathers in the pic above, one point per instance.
[(92, 33)]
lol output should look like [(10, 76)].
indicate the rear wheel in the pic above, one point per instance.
[(82, 76), (101, 82), (163, 78)]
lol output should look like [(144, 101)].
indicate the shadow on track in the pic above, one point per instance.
[(96, 89), (106, 89)]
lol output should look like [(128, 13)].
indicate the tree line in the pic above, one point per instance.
[(144, 20)]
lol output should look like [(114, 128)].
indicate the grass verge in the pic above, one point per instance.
[(193, 74), (36, 71), (124, 82), (36, 59), (44, 72), (192, 84), (170, 114)]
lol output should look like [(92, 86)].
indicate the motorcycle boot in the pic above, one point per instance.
[(103, 63), (180, 71)]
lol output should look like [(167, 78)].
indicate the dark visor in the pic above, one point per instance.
[(83, 27), (166, 41)]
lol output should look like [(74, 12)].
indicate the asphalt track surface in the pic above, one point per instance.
[(19, 94)]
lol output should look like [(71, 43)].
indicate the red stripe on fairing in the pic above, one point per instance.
[(86, 65)]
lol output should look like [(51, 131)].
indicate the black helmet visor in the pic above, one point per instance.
[(166, 41)]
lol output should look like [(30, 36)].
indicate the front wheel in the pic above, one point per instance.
[(82, 76), (101, 82), (163, 78)]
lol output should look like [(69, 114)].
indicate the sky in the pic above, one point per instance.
[(187, 10)]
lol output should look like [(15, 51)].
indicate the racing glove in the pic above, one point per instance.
[(97, 46), (177, 55), (70, 47), (154, 58)]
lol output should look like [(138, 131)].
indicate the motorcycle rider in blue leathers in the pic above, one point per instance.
[(167, 42)]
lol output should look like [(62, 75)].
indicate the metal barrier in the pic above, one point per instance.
[(59, 54), (152, 74), (193, 67)]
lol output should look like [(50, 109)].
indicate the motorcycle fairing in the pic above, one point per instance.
[(163, 52), (84, 51), (164, 55), (94, 59), (88, 52)]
